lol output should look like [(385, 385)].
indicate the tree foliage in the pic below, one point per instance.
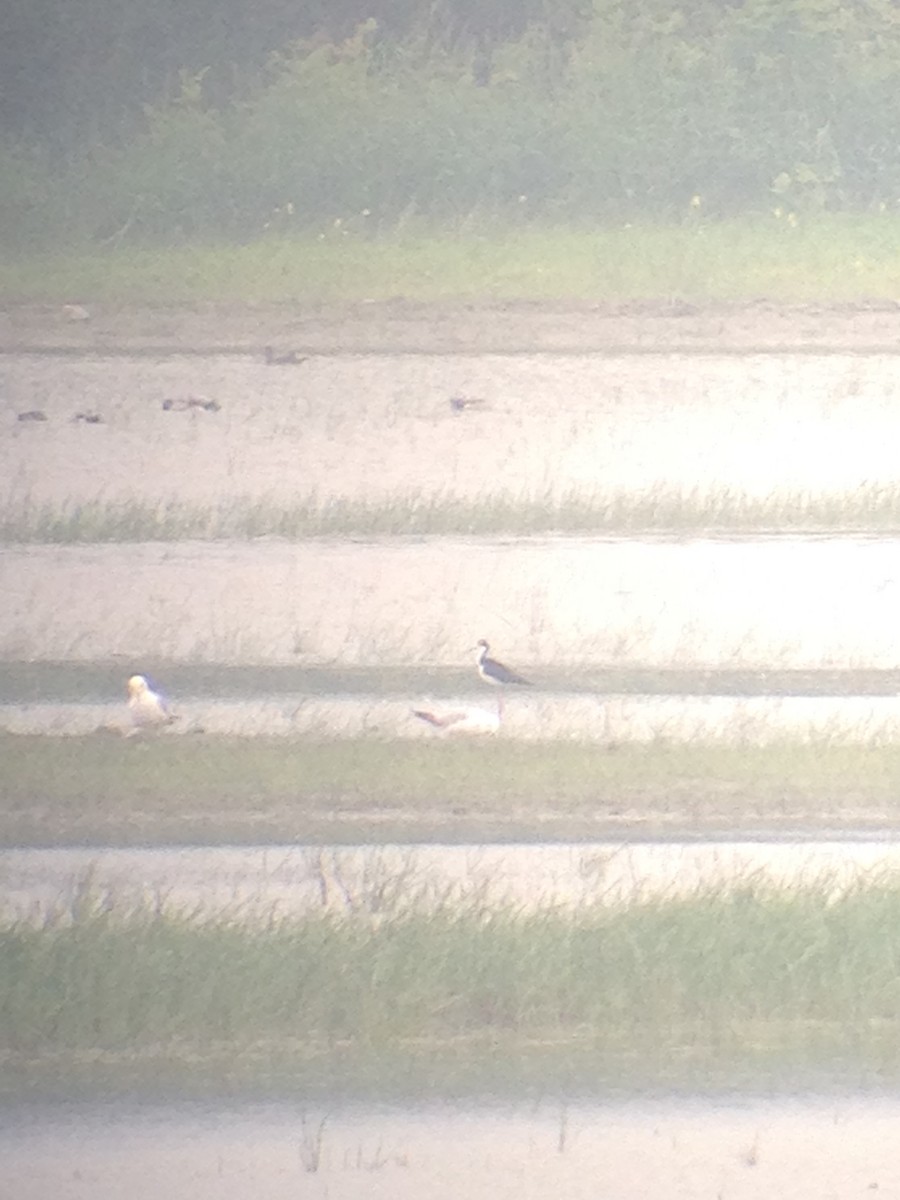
[(229, 117)]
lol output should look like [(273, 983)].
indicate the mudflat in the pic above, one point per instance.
[(399, 325)]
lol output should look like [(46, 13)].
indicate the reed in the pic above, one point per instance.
[(742, 970), (873, 507)]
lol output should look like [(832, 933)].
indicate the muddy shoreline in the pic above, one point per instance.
[(401, 326), (407, 826)]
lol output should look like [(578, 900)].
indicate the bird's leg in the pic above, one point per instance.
[(499, 706)]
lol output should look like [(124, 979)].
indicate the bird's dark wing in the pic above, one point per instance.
[(505, 674)]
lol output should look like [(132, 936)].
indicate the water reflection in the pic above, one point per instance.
[(766, 604), (736, 1149)]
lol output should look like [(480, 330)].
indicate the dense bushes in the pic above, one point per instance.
[(646, 110)]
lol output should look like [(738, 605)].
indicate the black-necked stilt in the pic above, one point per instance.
[(147, 707), (460, 720), (289, 358), (497, 673)]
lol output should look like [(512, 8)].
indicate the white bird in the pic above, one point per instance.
[(147, 707), (461, 720)]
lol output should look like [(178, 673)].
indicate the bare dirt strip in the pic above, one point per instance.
[(470, 327)]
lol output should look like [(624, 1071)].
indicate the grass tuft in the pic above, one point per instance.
[(657, 510)]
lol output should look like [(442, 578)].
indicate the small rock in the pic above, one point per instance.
[(33, 414), (89, 418), (289, 358), (76, 312)]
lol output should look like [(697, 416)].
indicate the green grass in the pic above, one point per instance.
[(828, 258), (456, 995), (659, 510), (108, 790)]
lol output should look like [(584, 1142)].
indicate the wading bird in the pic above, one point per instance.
[(496, 673), (148, 708)]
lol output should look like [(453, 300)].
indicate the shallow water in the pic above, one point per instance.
[(369, 425), (250, 881), (372, 425), (770, 603), (693, 1148)]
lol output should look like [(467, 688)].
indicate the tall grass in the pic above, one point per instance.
[(744, 970), (657, 510), (821, 257)]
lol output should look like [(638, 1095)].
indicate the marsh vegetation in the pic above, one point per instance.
[(106, 790), (735, 261), (744, 981), (871, 508)]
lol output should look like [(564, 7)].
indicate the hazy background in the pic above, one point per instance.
[(148, 120)]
